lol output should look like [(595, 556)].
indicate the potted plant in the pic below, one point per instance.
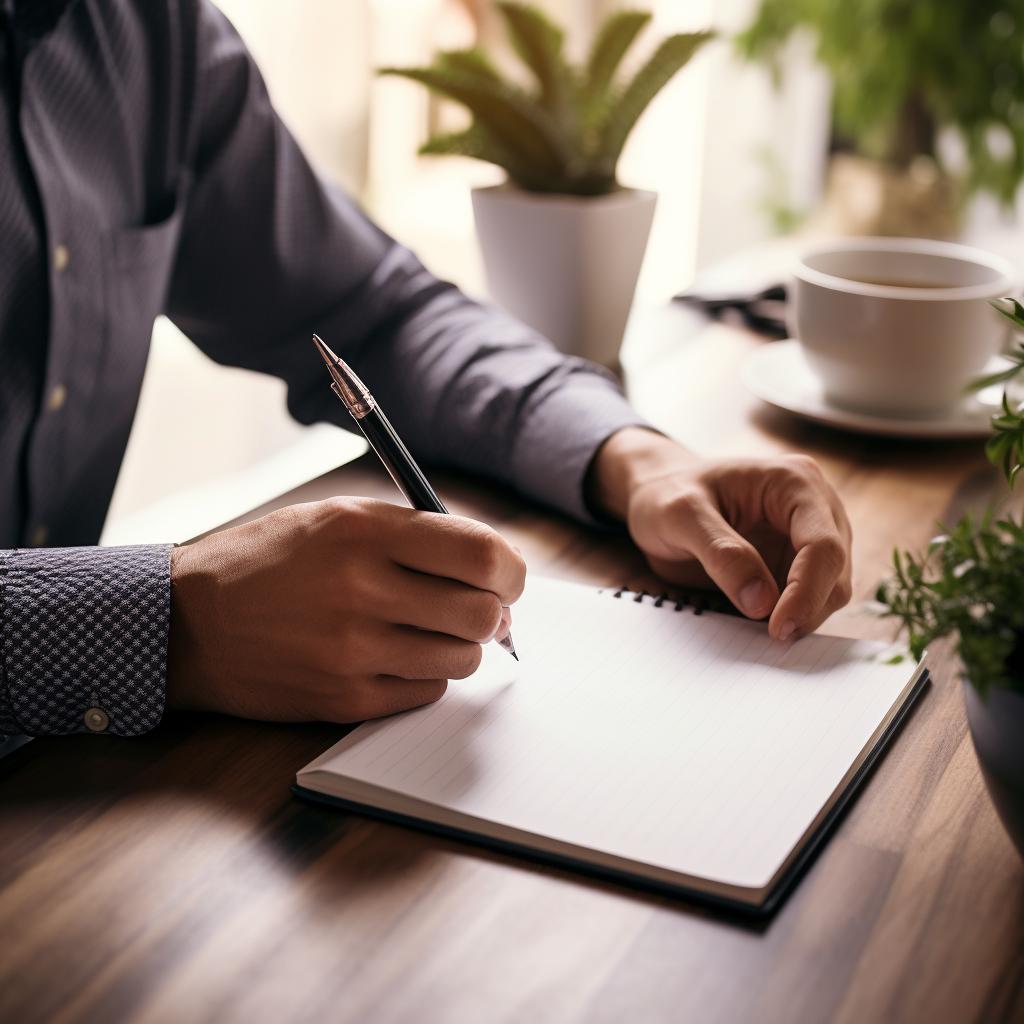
[(969, 585), (904, 74), (562, 240)]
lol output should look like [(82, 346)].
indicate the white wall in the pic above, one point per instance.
[(197, 421)]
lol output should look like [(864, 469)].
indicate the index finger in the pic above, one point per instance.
[(820, 563), (461, 549)]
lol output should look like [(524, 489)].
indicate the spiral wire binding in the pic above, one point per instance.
[(698, 602)]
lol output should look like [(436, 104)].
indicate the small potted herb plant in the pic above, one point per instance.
[(562, 240), (969, 585)]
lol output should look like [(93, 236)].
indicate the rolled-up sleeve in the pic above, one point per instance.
[(83, 639)]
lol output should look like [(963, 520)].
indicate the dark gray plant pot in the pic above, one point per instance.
[(997, 728)]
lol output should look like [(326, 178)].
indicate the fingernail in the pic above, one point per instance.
[(787, 629), (755, 599)]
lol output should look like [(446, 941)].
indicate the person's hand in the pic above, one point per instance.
[(771, 533), (340, 610)]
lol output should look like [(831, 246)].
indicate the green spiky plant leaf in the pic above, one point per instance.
[(538, 42), (610, 45), (670, 57), (501, 112), (565, 132), (969, 584), (467, 62)]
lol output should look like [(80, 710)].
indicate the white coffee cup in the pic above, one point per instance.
[(898, 327)]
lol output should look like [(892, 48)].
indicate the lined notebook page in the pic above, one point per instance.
[(692, 743)]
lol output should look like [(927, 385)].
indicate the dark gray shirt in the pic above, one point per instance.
[(144, 171)]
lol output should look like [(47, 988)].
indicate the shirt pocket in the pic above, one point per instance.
[(135, 250), (139, 264)]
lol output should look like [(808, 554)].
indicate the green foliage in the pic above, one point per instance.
[(566, 131), (613, 39), (970, 582), (783, 217), (1005, 448), (904, 69)]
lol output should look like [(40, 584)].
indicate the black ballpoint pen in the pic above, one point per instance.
[(377, 430)]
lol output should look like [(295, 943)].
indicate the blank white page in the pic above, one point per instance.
[(690, 743)]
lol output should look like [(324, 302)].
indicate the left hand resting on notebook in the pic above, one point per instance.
[(771, 533)]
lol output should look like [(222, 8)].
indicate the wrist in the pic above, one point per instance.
[(183, 684), (627, 459)]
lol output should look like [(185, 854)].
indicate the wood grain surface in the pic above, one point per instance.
[(173, 878)]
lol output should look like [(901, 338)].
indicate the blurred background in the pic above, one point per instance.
[(805, 117)]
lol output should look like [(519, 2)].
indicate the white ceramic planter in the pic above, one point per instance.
[(565, 265)]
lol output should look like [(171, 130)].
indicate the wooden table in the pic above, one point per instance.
[(173, 878)]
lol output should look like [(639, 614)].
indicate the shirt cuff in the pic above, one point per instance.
[(83, 639), (562, 435)]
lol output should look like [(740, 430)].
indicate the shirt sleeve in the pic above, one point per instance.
[(83, 639), (270, 253)]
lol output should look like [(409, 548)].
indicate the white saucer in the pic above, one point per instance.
[(779, 375)]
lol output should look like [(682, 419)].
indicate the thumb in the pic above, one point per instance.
[(731, 561)]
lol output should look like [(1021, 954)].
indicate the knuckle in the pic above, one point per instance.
[(684, 504), (843, 592), (350, 515), (802, 464), (831, 552), (483, 616), (465, 661), (365, 592), (333, 516), (518, 584), (491, 552), (335, 508), (727, 551)]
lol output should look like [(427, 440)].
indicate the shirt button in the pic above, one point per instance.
[(39, 536), (96, 720), (61, 257), (57, 397)]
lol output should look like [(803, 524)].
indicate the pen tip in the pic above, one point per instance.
[(506, 643), (325, 350)]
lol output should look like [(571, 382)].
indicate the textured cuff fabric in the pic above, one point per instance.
[(83, 639), (560, 439)]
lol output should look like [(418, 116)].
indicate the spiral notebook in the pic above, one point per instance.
[(637, 740)]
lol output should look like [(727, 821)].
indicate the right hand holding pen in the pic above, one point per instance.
[(339, 610)]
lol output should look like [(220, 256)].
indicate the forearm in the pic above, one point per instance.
[(469, 387), (270, 253), (83, 639)]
